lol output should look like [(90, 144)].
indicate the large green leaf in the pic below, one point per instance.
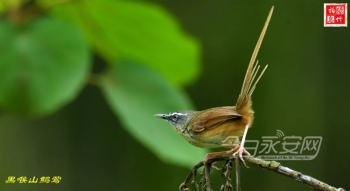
[(136, 93), (137, 31), (43, 65)]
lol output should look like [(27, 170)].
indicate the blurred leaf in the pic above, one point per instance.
[(136, 93), (5, 4), (137, 31), (43, 65)]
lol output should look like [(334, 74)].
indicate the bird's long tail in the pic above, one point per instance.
[(249, 82)]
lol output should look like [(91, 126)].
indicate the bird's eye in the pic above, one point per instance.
[(175, 117)]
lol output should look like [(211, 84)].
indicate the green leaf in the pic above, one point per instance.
[(136, 93), (138, 31), (43, 65)]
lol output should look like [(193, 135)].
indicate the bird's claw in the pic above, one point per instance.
[(240, 152)]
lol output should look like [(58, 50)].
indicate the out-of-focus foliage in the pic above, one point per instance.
[(43, 65), (5, 4), (137, 31), (44, 62), (131, 90)]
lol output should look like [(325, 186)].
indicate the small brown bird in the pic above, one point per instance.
[(222, 126)]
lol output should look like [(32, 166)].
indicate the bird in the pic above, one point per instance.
[(222, 126)]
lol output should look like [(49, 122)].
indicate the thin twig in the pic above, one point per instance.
[(269, 165), (226, 177), (193, 172), (194, 181), (238, 174), (206, 184)]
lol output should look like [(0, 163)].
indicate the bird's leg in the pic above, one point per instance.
[(241, 148), (214, 154)]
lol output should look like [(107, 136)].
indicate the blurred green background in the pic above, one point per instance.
[(80, 81)]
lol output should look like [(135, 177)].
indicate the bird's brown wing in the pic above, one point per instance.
[(213, 117)]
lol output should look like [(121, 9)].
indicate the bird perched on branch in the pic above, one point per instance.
[(222, 126)]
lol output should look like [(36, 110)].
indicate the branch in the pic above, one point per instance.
[(238, 174), (225, 176), (269, 165)]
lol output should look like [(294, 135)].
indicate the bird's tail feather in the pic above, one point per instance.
[(249, 82)]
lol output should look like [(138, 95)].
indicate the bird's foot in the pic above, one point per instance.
[(240, 152)]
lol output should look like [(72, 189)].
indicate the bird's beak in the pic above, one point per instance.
[(160, 116)]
